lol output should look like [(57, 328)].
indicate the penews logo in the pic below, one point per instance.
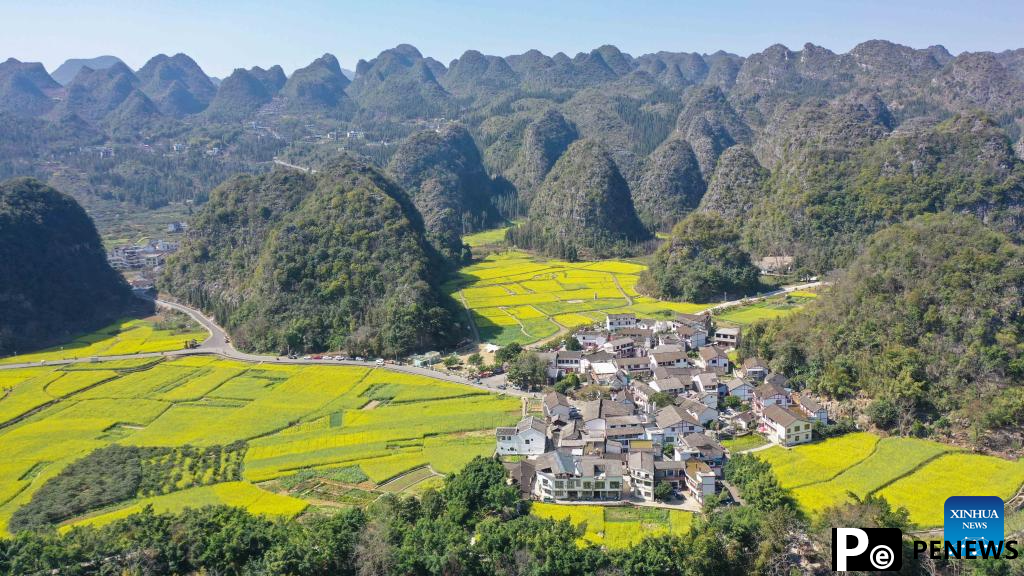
[(868, 549)]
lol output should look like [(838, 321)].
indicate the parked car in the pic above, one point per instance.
[(306, 357), (292, 356), (379, 362)]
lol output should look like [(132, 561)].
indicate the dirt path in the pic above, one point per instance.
[(469, 317), (629, 299)]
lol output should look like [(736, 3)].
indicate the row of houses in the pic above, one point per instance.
[(152, 254)]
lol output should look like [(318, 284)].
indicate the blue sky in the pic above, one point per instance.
[(225, 34)]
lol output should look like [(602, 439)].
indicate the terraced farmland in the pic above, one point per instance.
[(124, 337), (516, 297), (616, 527), (293, 419), (918, 474)]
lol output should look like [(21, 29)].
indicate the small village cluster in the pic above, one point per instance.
[(660, 419), (150, 255)]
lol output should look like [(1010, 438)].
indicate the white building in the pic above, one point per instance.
[(527, 438), (618, 321)]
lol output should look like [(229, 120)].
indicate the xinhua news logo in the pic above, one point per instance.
[(866, 549)]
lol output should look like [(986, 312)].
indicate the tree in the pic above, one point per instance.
[(732, 402), (661, 399), (572, 344), (528, 371), (507, 353), (452, 361), (476, 359), (569, 383)]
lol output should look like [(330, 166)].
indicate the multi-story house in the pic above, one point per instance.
[(528, 437), (562, 476), (785, 427)]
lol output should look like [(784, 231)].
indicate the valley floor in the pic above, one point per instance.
[(292, 418)]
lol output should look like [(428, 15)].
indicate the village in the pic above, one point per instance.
[(670, 395)]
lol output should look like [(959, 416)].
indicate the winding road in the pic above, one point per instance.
[(219, 343)]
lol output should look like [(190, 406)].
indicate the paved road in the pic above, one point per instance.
[(219, 343), (783, 290), (294, 166)]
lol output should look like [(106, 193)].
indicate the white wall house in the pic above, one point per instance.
[(527, 438), (618, 321)]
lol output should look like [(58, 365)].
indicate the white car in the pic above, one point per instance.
[(305, 357), (380, 362)]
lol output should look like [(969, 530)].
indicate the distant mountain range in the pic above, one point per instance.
[(67, 71), (747, 137)]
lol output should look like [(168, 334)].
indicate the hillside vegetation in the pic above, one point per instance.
[(700, 261), (54, 278), (293, 261), (583, 208), (926, 322)]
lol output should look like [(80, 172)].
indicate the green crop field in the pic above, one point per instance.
[(293, 418), (810, 463), (616, 527), (775, 307), (516, 297), (917, 474), (742, 443), (124, 337), (486, 238), (924, 491)]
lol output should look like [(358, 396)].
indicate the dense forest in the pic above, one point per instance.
[(55, 281), (701, 261)]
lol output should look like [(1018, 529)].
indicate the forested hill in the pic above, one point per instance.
[(927, 323), (54, 278), (291, 261)]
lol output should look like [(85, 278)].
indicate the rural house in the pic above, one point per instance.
[(713, 359), (784, 427), (618, 321), (528, 437)]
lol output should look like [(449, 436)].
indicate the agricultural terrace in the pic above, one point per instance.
[(616, 526), (775, 307), (918, 474), (518, 297), (492, 237), (330, 435), (121, 338)]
